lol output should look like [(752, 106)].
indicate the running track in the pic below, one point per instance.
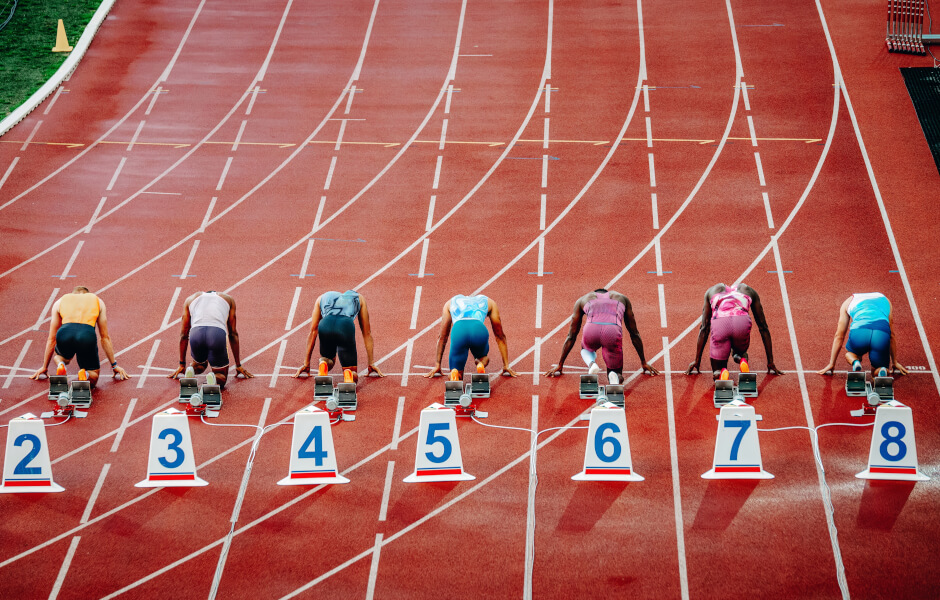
[(415, 150)]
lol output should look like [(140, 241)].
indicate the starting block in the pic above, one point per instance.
[(26, 465), (188, 387), (322, 386), (612, 394), (855, 384), (893, 454), (479, 385), (438, 455), (884, 387), (747, 384), (58, 384), (724, 392), (67, 397), (170, 462), (343, 394), (312, 458), (737, 449), (881, 390), (460, 396), (607, 454), (589, 389)]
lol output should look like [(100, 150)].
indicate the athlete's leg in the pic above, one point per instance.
[(720, 347), (591, 342), (857, 345), (880, 353), (611, 337)]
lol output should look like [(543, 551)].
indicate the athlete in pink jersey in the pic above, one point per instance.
[(726, 316), (607, 314)]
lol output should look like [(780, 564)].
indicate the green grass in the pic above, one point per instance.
[(26, 57)]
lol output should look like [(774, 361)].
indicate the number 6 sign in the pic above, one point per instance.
[(607, 455), (438, 455), (893, 452), (171, 462), (26, 466)]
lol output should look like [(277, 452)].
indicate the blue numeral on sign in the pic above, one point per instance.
[(600, 442), (433, 438), (174, 446), (893, 439), (35, 445), (318, 453), (736, 444)]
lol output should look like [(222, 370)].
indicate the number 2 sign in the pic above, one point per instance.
[(26, 466)]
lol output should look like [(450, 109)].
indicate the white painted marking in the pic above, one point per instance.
[(541, 270), (96, 213), (548, 96), (251, 102), (652, 171), (538, 307), (228, 164), (116, 173), (365, 43), (374, 568), (205, 219), (16, 365), (68, 266), (542, 212), (430, 223), (293, 309), (316, 221), (29, 138), (437, 172), (124, 423), (662, 304), (399, 412), (349, 100), (655, 211), (386, 490), (94, 493), (747, 101), (760, 169), (153, 100), (674, 460), (136, 135), (306, 262), (238, 136), (424, 258), (46, 309), (536, 360), (278, 362), (179, 49), (443, 135), (450, 92), (409, 346), (545, 134), (659, 259), (646, 98), (649, 132), (55, 97), (169, 309), (339, 136), (64, 569), (146, 370), (770, 216), (414, 309), (530, 504), (9, 170), (329, 175), (544, 170), (189, 260), (750, 126)]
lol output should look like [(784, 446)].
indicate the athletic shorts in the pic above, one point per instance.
[(609, 337), (730, 334), (873, 339), (338, 335), (467, 335), (208, 344), (78, 339)]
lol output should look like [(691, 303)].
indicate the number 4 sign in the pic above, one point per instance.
[(438, 455), (737, 449), (607, 455), (893, 452), (312, 459), (171, 462), (26, 466)]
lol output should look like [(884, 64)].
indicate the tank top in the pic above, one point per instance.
[(604, 310), (334, 304), (866, 309), (464, 308), (730, 303), (209, 310), (79, 308)]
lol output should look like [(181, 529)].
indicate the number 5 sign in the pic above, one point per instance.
[(26, 466), (607, 455), (737, 449), (171, 462), (438, 455), (893, 452)]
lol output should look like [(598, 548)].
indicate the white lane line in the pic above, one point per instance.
[(430, 221), (124, 424), (450, 92), (46, 309), (662, 304), (760, 169), (251, 102), (169, 309), (646, 98), (538, 307), (94, 494), (652, 171), (60, 578), (747, 101), (16, 365), (293, 309), (536, 360), (770, 216), (29, 138), (96, 213), (659, 259), (649, 133), (424, 259), (443, 135), (750, 126), (655, 211), (179, 49), (316, 221), (374, 568), (545, 134), (414, 309), (365, 43), (544, 171), (530, 504), (117, 172), (278, 362), (349, 99), (387, 490), (153, 100), (7, 174), (674, 460), (548, 95), (238, 136), (542, 212), (189, 260), (68, 266), (306, 262), (58, 92), (130, 145), (329, 174), (399, 412), (205, 219), (228, 164), (409, 346), (339, 136), (146, 370), (437, 173), (541, 270)]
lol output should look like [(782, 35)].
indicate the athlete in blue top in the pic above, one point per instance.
[(869, 333), (463, 321)]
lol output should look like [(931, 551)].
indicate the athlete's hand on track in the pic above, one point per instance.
[(243, 372), (899, 368), (507, 372), (554, 371), (175, 373), (375, 369), (773, 370), (648, 367), (119, 373), (827, 370), (692, 367), (39, 373), (302, 370), (435, 372)]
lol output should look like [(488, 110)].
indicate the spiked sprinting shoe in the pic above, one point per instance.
[(210, 378), (745, 368), (725, 375), (481, 368), (324, 368), (857, 365), (347, 376), (454, 375), (82, 375), (594, 370), (882, 372), (60, 369), (190, 372)]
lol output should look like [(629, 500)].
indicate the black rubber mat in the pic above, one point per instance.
[(923, 84)]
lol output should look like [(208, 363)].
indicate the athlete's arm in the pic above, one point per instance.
[(577, 316), (703, 331), (841, 330), (761, 321), (893, 363), (119, 372), (184, 336), (54, 324), (233, 338), (366, 329), (442, 340), (500, 338), (311, 338), (630, 322)]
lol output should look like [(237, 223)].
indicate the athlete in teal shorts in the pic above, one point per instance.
[(866, 320), (463, 322)]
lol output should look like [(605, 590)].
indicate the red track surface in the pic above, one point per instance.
[(767, 539)]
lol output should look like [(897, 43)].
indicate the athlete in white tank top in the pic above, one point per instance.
[(209, 310)]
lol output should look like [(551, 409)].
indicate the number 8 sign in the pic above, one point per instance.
[(171, 462), (438, 455), (893, 452), (26, 466)]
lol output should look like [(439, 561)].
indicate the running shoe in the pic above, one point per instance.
[(82, 375), (882, 372), (324, 368), (347, 376), (190, 372), (481, 368), (594, 370), (613, 379), (725, 375), (737, 358), (210, 378), (60, 369), (454, 375), (857, 365), (745, 368)]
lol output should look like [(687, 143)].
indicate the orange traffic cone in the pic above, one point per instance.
[(61, 41)]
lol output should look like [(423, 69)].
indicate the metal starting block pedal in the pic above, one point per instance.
[(747, 384), (345, 394), (855, 384), (212, 396), (614, 395), (884, 387), (453, 390), (80, 394), (188, 387), (479, 385), (724, 392), (58, 384), (322, 386), (589, 389)]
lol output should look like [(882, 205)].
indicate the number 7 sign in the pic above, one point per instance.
[(737, 449)]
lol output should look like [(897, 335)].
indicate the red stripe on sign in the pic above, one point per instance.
[(607, 471), (312, 475), (421, 473), (172, 478), (737, 469), (27, 483), (905, 470)]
